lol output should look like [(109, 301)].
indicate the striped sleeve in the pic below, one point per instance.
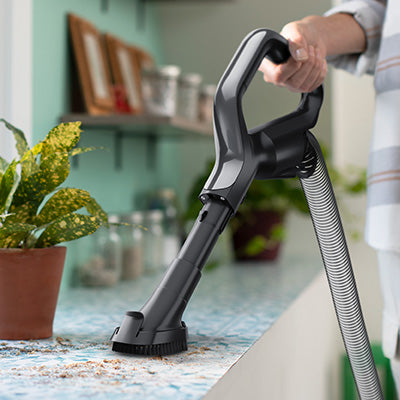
[(370, 15)]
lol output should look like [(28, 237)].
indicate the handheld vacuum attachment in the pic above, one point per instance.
[(281, 148)]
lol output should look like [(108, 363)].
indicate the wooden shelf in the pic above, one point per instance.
[(142, 124)]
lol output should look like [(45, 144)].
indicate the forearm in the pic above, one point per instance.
[(339, 33)]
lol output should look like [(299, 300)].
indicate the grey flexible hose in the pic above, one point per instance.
[(329, 231)]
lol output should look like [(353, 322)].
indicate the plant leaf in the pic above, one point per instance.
[(3, 165), (28, 165), (54, 169), (12, 235), (80, 150), (256, 245), (20, 140), (61, 138), (63, 202), (95, 209), (7, 185), (28, 162), (66, 228), (25, 213)]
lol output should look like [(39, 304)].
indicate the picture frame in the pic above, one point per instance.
[(125, 68), (145, 59), (93, 69)]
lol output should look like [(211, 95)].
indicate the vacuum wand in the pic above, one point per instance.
[(157, 329), (281, 148)]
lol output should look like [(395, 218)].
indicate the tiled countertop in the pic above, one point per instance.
[(230, 309)]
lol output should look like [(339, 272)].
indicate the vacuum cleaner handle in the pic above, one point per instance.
[(236, 164)]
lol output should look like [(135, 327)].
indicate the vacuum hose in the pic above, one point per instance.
[(329, 231)]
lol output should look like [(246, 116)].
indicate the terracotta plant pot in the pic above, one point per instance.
[(29, 285), (259, 223)]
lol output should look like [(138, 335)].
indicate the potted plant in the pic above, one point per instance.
[(258, 227), (36, 215)]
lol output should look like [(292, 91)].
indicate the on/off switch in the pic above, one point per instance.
[(203, 215)]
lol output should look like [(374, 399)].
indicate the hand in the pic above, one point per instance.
[(306, 68)]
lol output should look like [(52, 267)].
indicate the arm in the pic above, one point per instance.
[(348, 36)]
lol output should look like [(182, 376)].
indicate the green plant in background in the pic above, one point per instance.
[(279, 195), (34, 210), (276, 194)]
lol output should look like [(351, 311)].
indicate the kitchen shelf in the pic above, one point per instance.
[(141, 126)]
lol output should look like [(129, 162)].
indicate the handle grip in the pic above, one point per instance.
[(279, 52)]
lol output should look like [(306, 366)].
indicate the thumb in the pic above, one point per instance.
[(298, 44), (298, 49)]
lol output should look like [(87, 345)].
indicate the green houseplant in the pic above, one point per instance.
[(36, 214), (258, 227)]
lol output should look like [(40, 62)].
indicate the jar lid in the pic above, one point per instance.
[(208, 90), (113, 218), (190, 79), (169, 71), (166, 193), (135, 217), (155, 215)]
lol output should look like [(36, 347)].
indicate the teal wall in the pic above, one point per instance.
[(51, 63), (116, 190)]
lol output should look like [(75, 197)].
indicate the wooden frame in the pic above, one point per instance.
[(145, 59), (93, 70), (125, 70)]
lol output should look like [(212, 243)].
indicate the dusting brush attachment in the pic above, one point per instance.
[(132, 339), (158, 329)]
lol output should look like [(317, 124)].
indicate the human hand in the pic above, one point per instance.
[(306, 68)]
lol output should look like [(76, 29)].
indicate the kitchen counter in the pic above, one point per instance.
[(232, 307)]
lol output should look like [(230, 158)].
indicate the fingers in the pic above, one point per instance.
[(279, 74), (306, 68), (298, 47), (304, 76), (312, 74)]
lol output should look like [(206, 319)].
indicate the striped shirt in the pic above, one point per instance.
[(380, 21)]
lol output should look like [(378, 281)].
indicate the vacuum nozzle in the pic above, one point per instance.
[(130, 338), (158, 328)]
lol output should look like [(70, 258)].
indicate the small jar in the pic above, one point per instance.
[(165, 200), (153, 242), (159, 88), (132, 244), (188, 96), (104, 266), (206, 103)]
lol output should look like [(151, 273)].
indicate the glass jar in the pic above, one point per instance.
[(132, 243), (153, 241), (104, 265), (188, 96), (159, 88), (166, 200), (206, 103)]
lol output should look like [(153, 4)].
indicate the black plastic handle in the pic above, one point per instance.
[(237, 161), (279, 52)]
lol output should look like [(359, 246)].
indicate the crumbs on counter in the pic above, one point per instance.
[(199, 350), (63, 342), (81, 369), (52, 345)]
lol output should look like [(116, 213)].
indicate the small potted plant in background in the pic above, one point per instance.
[(36, 214), (258, 228)]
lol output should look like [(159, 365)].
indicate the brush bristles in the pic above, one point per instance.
[(150, 350)]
